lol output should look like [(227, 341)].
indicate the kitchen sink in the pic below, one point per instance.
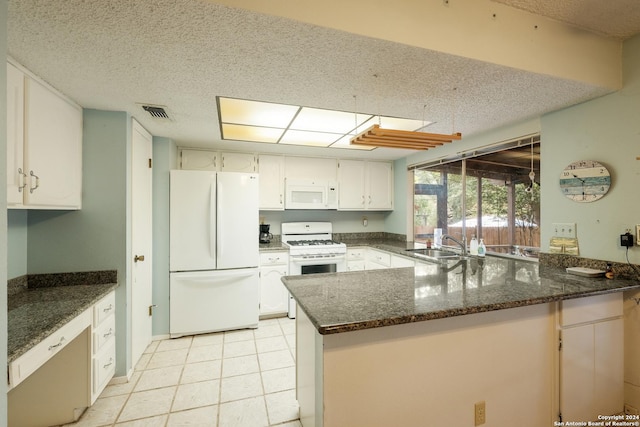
[(435, 254)]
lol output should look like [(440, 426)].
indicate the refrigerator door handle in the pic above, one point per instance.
[(212, 220), (218, 241), (218, 275)]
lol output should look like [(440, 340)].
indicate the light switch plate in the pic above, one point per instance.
[(637, 234), (564, 229)]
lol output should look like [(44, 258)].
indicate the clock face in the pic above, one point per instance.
[(585, 181)]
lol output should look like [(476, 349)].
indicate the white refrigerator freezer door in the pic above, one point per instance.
[(211, 301), (238, 220), (192, 220)]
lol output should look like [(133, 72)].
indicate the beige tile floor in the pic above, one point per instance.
[(240, 378)]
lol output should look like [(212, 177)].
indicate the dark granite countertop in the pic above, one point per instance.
[(272, 246), (46, 302), (342, 302)]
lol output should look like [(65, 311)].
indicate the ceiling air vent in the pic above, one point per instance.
[(157, 112)]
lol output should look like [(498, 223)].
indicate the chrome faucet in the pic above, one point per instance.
[(462, 244)]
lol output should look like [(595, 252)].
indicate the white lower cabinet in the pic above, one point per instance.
[(591, 357), (356, 259), (362, 258), (274, 297), (78, 359), (377, 259), (103, 355), (400, 261)]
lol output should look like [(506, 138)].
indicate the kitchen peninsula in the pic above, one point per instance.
[(422, 345)]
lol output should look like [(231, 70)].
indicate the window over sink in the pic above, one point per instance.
[(491, 193)]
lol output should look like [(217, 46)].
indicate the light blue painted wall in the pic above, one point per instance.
[(94, 238), (3, 209), (607, 130), (396, 221), (16, 242), (164, 159)]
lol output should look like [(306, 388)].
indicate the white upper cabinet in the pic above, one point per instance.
[(16, 179), (201, 160), (271, 171), (351, 186), (365, 185), (238, 162), (379, 185), (44, 164), (313, 168), (206, 160)]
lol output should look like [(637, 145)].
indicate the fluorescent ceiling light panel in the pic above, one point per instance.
[(242, 112), (318, 120), (257, 121), (313, 139), (251, 133)]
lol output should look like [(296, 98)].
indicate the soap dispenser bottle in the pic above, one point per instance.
[(482, 249), (473, 246)]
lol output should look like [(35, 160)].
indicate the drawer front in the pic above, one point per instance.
[(274, 258), (26, 364), (104, 367), (104, 308), (355, 266), (103, 333), (590, 309), (355, 254), (379, 258)]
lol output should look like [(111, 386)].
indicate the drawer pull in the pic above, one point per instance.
[(108, 364), (54, 346), (108, 308), (108, 333)]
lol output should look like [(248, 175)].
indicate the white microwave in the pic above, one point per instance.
[(310, 194)]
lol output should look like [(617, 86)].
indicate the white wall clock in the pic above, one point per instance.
[(585, 181)]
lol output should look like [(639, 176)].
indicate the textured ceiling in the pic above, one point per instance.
[(117, 54)]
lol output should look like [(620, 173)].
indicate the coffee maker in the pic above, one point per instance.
[(265, 236)]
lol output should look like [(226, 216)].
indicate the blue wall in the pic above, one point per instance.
[(95, 237)]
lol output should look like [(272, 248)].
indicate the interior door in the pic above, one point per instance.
[(141, 241)]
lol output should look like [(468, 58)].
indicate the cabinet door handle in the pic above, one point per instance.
[(54, 346), (107, 309), (31, 189), (108, 364), (138, 258), (22, 180), (108, 333)]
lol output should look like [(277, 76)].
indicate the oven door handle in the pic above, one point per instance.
[(299, 258)]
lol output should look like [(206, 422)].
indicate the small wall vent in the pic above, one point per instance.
[(156, 111)]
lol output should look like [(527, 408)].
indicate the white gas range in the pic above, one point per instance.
[(312, 250)]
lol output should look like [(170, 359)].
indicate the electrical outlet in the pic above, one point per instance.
[(630, 410), (564, 229), (480, 413)]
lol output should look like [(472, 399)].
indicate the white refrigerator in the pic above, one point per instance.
[(213, 255)]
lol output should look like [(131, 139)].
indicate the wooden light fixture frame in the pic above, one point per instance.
[(379, 137)]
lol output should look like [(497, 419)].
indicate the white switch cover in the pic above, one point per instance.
[(564, 229), (637, 234)]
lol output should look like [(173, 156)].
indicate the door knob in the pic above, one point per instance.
[(138, 258)]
